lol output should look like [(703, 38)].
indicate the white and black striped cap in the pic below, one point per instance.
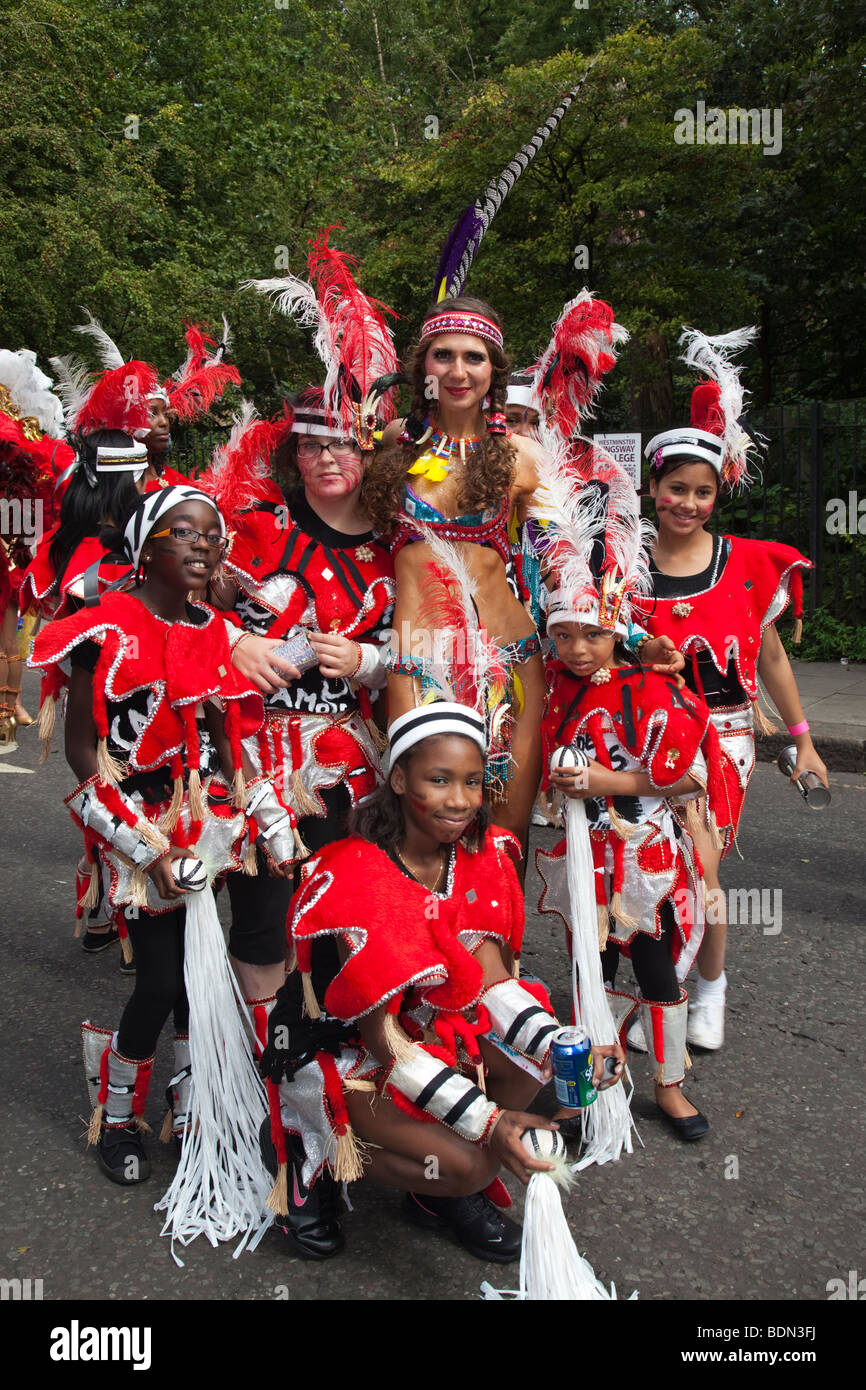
[(438, 717), (155, 505), (686, 443)]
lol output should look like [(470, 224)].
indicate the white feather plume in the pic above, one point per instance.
[(712, 356), (296, 298), (29, 389), (109, 353), (574, 514), (74, 385)]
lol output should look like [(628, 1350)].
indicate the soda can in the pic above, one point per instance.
[(808, 784), (571, 1057)]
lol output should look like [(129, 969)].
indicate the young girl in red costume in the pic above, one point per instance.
[(426, 911), (155, 708), (646, 741), (719, 598)]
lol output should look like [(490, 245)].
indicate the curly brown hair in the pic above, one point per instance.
[(485, 484)]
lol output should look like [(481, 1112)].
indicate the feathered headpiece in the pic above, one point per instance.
[(116, 399), (239, 475), (568, 374), (463, 243), (714, 435), (352, 338), (593, 539), (32, 453), (204, 375)]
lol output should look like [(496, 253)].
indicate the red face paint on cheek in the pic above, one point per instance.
[(417, 804)]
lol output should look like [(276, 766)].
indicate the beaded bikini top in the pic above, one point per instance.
[(479, 528)]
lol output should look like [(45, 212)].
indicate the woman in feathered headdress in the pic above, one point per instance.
[(719, 598), (453, 469), (308, 583)]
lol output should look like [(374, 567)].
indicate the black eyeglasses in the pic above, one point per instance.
[(187, 536)]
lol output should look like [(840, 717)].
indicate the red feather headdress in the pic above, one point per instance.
[(352, 337)]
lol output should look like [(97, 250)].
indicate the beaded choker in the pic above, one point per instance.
[(436, 461)]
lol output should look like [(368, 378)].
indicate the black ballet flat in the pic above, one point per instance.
[(686, 1127)]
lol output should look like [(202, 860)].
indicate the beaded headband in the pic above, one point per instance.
[(462, 323)]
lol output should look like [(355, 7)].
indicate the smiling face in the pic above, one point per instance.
[(582, 649), (184, 564), (684, 499), (458, 371), (331, 468), (441, 786)]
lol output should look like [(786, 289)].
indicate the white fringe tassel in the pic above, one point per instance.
[(607, 1123), (221, 1186), (551, 1268)]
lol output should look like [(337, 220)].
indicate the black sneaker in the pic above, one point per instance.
[(475, 1221), (121, 1156), (127, 967), (93, 942), (312, 1228)]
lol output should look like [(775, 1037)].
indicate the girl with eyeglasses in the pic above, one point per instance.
[(306, 567), (156, 712)]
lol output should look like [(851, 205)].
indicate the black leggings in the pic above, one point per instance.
[(652, 961), (157, 943), (260, 902)]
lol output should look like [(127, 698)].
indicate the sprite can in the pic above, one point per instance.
[(571, 1056)]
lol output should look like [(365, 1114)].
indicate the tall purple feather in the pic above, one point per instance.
[(465, 239)]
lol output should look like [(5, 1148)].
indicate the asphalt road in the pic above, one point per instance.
[(768, 1206)]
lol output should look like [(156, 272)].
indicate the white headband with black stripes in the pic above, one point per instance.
[(439, 717), (154, 505), (683, 444)]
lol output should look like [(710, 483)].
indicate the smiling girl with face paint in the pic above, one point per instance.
[(719, 598), (405, 932)]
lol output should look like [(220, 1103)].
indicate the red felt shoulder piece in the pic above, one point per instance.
[(662, 726), (400, 935), (729, 618), (86, 554), (39, 576), (182, 664)]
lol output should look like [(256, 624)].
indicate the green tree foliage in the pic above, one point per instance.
[(153, 156)]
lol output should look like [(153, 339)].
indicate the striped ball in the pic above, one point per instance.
[(190, 873)]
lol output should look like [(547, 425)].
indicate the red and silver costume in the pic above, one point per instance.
[(419, 963), (638, 720), (295, 572), (723, 624), (718, 619)]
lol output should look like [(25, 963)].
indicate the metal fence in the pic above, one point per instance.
[(810, 482)]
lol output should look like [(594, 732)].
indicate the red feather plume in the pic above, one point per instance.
[(361, 349), (118, 400), (202, 379)]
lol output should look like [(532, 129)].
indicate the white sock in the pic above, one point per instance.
[(708, 990)]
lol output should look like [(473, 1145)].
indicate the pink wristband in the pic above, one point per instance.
[(795, 729)]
